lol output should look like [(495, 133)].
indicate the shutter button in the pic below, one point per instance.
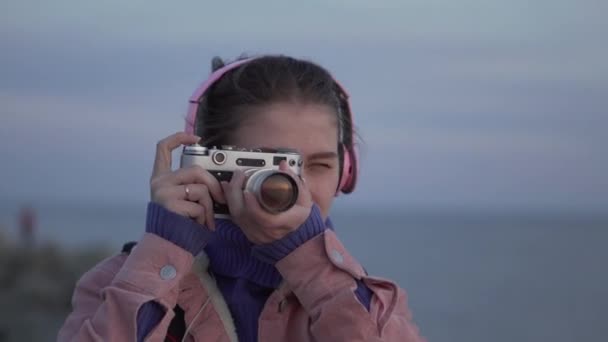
[(336, 256), (168, 272)]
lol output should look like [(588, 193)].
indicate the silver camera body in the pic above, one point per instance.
[(275, 190)]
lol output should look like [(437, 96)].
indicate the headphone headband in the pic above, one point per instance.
[(350, 160)]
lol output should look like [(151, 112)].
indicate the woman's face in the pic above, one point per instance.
[(311, 129)]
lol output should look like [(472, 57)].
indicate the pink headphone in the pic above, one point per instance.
[(350, 166)]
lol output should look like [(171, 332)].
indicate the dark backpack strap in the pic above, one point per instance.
[(127, 247), (177, 328)]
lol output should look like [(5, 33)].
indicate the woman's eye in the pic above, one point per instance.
[(320, 165)]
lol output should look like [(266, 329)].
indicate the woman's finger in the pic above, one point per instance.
[(283, 167), (304, 193), (162, 161), (200, 193), (233, 192), (196, 174), (255, 209)]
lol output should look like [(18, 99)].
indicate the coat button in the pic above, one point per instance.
[(168, 272), (337, 256)]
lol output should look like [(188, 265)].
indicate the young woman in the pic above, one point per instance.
[(257, 276)]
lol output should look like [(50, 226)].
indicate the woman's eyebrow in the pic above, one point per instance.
[(323, 155), (316, 155)]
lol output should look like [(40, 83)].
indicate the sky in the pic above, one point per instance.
[(484, 105)]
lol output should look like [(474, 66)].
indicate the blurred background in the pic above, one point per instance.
[(483, 190)]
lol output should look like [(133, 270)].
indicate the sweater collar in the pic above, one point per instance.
[(230, 254)]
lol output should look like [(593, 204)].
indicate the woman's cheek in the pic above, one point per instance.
[(322, 193)]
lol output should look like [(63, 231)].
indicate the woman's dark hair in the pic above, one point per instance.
[(264, 81)]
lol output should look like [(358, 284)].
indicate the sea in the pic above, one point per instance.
[(469, 276)]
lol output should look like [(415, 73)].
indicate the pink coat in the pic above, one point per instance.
[(315, 302)]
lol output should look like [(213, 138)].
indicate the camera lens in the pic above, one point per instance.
[(219, 158), (278, 192), (275, 191)]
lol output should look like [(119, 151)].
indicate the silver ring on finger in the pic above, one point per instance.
[(187, 191)]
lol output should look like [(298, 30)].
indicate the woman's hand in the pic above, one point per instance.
[(257, 224), (187, 191)]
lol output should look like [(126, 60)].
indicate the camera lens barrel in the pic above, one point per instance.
[(275, 191)]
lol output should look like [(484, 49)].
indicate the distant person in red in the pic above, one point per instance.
[(27, 226)]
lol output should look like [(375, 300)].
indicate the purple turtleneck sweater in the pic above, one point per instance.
[(244, 272)]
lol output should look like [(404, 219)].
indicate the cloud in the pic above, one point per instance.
[(191, 21), (470, 99)]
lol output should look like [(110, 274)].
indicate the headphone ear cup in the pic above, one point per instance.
[(349, 171)]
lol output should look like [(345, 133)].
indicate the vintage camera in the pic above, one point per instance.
[(276, 191)]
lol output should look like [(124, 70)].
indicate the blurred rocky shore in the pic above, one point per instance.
[(36, 285)]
